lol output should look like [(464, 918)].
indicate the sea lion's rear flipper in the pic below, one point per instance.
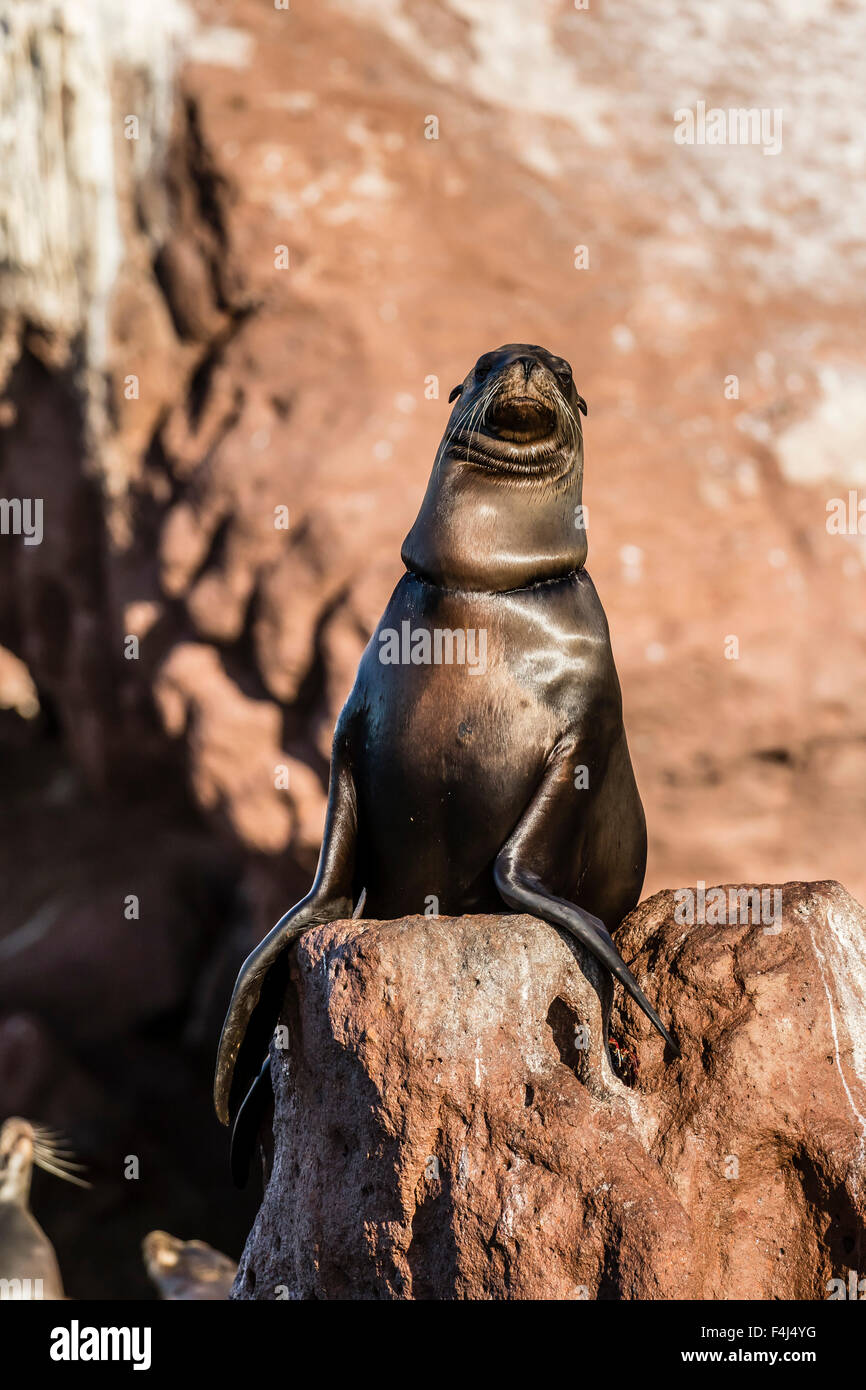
[(519, 874), (248, 1123), (523, 891), (260, 989)]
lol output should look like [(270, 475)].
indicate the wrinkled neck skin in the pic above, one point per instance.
[(481, 530)]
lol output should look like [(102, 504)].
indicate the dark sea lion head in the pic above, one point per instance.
[(518, 413), (503, 506)]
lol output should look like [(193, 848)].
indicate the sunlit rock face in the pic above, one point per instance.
[(449, 1124)]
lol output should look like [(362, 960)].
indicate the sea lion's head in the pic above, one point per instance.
[(503, 505), (518, 412), (187, 1269), (16, 1161), (21, 1145)]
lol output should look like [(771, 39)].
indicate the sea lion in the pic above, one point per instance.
[(28, 1264), (187, 1270), (481, 757)]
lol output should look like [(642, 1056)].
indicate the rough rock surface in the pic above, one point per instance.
[(448, 1124)]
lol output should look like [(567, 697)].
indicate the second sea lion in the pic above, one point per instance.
[(28, 1265), (187, 1270)]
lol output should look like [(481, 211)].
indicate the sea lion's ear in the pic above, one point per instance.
[(458, 391), (581, 404)]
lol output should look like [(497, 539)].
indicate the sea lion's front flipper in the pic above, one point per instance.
[(261, 984), (519, 873)]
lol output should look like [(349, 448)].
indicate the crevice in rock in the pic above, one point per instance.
[(564, 1023), (431, 1254), (834, 1219), (610, 1283)]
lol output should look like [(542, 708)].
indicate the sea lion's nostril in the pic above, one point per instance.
[(527, 363)]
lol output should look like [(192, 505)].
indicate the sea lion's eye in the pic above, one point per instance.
[(482, 370), (564, 373)]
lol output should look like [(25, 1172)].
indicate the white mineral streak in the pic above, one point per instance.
[(511, 59), (795, 220), (64, 72), (828, 445), (841, 957)]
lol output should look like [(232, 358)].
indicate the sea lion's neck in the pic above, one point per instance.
[(15, 1188), (491, 533)]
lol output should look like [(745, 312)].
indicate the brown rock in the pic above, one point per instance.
[(234, 744), (440, 1133), (186, 283), (762, 1131), (445, 1128)]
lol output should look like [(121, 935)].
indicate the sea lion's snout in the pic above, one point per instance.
[(517, 413), (521, 418), (523, 408)]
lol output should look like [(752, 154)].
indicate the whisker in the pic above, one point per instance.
[(481, 409), (59, 1160), (53, 1155), (61, 1173), (457, 426), (574, 425)]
